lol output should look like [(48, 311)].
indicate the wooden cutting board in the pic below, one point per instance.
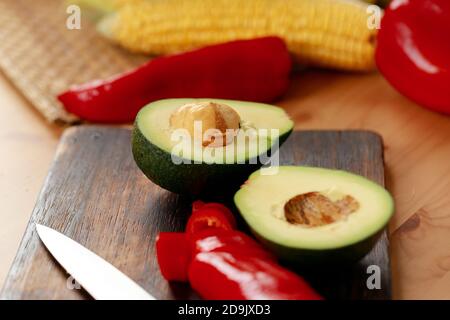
[(95, 194)]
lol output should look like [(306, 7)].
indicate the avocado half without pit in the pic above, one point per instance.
[(313, 215), (206, 146)]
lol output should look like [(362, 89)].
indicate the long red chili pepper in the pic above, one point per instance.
[(413, 51), (254, 70)]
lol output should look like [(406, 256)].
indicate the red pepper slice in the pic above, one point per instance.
[(199, 205), (231, 276), (413, 50), (252, 70), (173, 254), (221, 263), (208, 218), (213, 240)]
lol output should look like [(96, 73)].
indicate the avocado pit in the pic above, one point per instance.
[(219, 122), (314, 209)]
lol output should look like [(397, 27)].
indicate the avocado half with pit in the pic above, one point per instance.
[(313, 215), (206, 146)]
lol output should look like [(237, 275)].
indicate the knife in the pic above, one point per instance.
[(98, 277)]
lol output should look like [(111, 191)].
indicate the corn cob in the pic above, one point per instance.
[(326, 33)]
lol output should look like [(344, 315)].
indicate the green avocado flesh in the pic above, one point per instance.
[(262, 199), (183, 167)]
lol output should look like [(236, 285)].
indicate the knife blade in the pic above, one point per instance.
[(98, 277)]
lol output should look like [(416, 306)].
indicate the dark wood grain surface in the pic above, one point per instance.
[(95, 194)]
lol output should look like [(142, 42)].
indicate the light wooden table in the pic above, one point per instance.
[(417, 154), (28, 144)]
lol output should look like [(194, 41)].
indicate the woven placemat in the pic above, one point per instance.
[(43, 58)]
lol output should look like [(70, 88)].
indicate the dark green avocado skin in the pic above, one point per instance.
[(191, 179), (309, 258)]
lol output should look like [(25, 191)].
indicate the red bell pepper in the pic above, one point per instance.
[(221, 263), (173, 254), (254, 70), (198, 205), (234, 276), (206, 218), (175, 249), (215, 240), (413, 51)]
